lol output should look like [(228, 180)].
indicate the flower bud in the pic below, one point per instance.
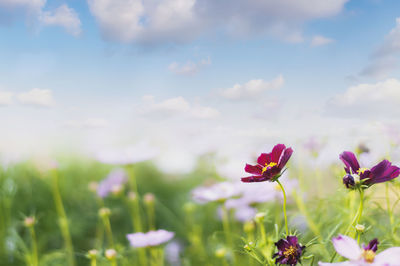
[(116, 190), (92, 186), (189, 207), (30, 221), (260, 217), (104, 212), (132, 196), (249, 227), (149, 198), (111, 254), (220, 253), (360, 228), (92, 254)]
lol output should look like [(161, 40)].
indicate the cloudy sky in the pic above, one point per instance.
[(193, 76)]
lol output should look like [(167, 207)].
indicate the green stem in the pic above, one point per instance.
[(361, 207), (226, 226), (35, 257), (107, 226), (356, 218), (136, 217), (284, 207), (390, 211), (151, 215), (262, 233), (63, 220), (93, 262)]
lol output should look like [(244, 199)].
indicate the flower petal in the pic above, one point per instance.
[(277, 152), (372, 245), (254, 178), (253, 169), (388, 257), (292, 240), (285, 157), (345, 263), (383, 171), (347, 247), (350, 160), (264, 158)]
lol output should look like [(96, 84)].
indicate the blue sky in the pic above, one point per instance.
[(110, 72)]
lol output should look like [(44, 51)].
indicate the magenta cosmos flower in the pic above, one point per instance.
[(149, 239), (355, 175), (348, 248), (289, 251), (269, 165)]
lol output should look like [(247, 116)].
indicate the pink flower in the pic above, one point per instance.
[(149, 239), (114, 181), (217, 192), (348, 248), (269, 165)]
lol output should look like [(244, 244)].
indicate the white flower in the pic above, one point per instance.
[(348, 248), (149, 239), (218, 192)]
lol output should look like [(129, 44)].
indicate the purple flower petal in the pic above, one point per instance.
[(114, 179), (277, 152), (264, 158), (347, 247), (285, 157), (382, 172), (372, 245), (253, 169), (350, 160), (254, 179)]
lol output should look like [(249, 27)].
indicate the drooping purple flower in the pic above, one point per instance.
[(348, 248), (149, 239), (269, 165), (289, 251), (113, 182), (355, 175)]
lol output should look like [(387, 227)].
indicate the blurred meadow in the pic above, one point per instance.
[(151, 132)]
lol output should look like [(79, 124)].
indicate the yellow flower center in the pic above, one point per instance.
[(290, 252), (268, 166), (361, 170), (368, 255)]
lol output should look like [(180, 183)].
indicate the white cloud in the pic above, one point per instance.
[(88, 123), (252, 89), (176, 106), (384, 59), (62, 16), (6, 98), (319, 40), (145, 21), (29, 5), (368, 99), (37, 97), (182, 20), (204, 112), (189, 68)]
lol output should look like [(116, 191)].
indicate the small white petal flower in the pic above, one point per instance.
[(149, 239)]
